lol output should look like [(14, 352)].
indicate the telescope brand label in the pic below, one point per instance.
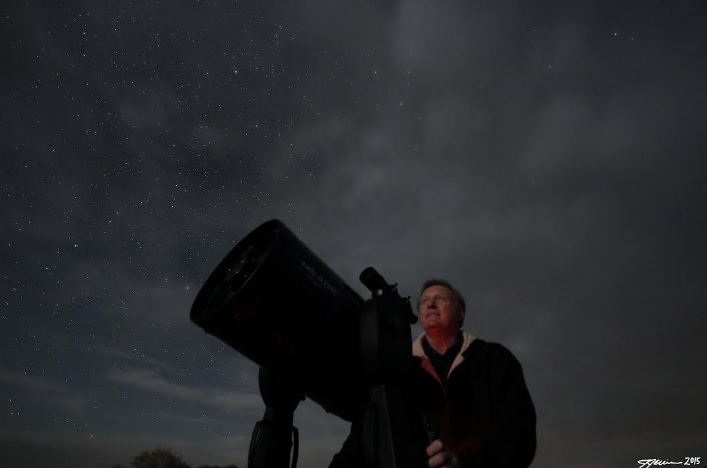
[(317, 278)]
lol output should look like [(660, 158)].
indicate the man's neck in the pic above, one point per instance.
[(441, 341)]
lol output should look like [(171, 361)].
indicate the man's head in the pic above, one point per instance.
[(441, 305)]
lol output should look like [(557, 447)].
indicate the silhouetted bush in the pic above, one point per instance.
[(159, 458), (163, 458)]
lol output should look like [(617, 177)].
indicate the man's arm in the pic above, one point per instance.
[(510, 440)]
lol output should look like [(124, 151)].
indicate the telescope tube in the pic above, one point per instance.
[(275, 302)]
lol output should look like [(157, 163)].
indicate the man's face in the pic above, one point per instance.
[(438, 310)]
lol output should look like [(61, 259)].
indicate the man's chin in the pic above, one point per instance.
[(433, 324)]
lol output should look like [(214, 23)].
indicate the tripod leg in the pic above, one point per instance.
[(271, 442), (393, 434)]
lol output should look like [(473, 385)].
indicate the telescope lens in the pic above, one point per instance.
[(227, 282), (236, 276)]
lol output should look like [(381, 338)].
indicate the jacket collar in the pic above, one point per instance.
[(418, 351)]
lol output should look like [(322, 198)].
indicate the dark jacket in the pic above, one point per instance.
[(484, 413)]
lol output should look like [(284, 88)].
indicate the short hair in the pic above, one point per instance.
[(456, 295)]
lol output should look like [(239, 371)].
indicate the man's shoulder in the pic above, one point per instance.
[(489, 350)]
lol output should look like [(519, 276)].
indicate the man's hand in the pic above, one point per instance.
[(440, 457)]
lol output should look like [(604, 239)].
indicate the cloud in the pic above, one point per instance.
[(32, 383), (200, 420), (151, 381), (134, 357), (48, 391), (448, 40)]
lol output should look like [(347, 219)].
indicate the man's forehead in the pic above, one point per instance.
[(435, 288)]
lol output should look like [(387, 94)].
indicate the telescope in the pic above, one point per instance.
[(274, 301)]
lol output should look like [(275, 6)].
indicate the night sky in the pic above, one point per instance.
[(547, 158)]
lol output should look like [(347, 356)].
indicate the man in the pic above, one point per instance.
[(471, 391)]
